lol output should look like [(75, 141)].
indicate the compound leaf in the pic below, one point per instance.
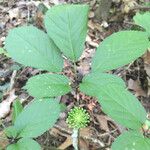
[(131, 141), (32, 47), (67, 27), (37, 118), (24, 144), (48, 85), (117, 102), (143, 20), (119, 49)]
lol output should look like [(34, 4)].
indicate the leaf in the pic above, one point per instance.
[(2, 51), (131, 141), (119, 49), (118, 103), (122, 106), (37, 118), (93, 81), (25, 144), (17, 109), (32, 47), (11, 132), (143, 20), (48, 85), (67, 27)]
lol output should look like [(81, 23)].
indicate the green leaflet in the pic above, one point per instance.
[(17, 109), (119, 49), (2, 51), (118, 103), (24, 144), (143, 20), (37, 118), (67, 27), (122, 106), (131, 141), (94, 81), (48, 85), (11, 132), (32, 47)]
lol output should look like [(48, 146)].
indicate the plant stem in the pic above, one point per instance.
[(75, 138)]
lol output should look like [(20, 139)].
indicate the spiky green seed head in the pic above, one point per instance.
[(78, 118)]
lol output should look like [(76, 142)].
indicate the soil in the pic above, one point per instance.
[(102, 130)]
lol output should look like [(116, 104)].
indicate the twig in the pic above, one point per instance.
[(12, 80), (140, 7), (94, 140)]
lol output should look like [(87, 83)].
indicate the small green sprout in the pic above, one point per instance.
[(78, 118)]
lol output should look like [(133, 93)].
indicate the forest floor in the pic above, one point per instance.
[(102, 130)]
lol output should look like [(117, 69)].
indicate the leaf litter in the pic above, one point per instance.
[(102, 130)]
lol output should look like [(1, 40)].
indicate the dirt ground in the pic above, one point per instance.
[(102, 130)]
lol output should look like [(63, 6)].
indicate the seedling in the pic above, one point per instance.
[(66, 27)]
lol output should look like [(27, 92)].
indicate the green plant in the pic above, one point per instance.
[(66, 27), (77, 118), (31, 122)]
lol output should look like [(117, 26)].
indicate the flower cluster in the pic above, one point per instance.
[(78, 118)]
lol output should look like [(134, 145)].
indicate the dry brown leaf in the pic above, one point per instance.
[(135, 86), (3, 140), (146, 57), (66, 144), (91, 105), (128, 5), (91, 14), (148, 93), (103, 122), (14, 13), (91, 42), (84, 145), (85, 132)]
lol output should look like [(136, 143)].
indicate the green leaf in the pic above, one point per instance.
[(11, 132), (48, 85), (119, 49), (67, 27), (122, 106), (37, 117), (17, 109), (131, 141), (91, 83), (25, 144), (32, 47), (2, 51), (143, 20), (118, 103)]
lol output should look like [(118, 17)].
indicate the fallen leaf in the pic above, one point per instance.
[(66, 144), (14, 13), (146, 57), (135, 86), (3, 140), (103, 122), (83, 145), (5, 104)]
